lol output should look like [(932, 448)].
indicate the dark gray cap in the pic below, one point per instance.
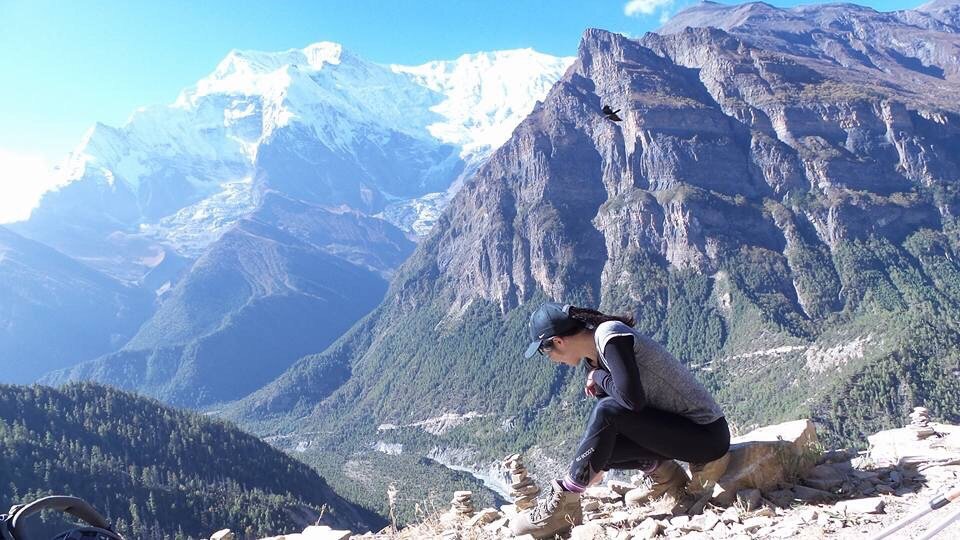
[(549, 320)]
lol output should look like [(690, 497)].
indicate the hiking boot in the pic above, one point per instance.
[(554, 513), (704, 476), (667, 478)]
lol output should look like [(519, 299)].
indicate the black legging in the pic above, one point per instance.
[(619, 438)]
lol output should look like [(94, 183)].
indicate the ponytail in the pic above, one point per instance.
[(592, 318)]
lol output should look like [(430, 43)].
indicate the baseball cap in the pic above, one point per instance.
[(548, 321)]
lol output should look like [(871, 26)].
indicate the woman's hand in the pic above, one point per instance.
[(592, 388)]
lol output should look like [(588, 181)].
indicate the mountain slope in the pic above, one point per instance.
[(153, 471), (43, 290), (281, 284), (785, 226)]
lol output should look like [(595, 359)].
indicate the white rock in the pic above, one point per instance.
[(872, 505), (730, 515), (648, 528), (756, 523), (222, 534), (901, 446), (588, 531)]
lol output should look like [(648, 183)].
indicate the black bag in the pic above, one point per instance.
[(12, 523)]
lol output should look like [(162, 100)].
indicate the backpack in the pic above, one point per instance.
[(12, 523)]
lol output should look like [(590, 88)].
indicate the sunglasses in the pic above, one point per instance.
[(545, 346)]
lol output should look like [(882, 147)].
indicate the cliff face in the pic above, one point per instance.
[(775, 207), (723, 141)]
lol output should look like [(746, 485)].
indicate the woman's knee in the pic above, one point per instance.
[(608, 408), (719, 443)]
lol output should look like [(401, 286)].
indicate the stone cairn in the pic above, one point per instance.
[(920, 422), (462, 503), (522, 488)]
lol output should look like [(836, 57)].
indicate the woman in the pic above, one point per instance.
[(650, 410)]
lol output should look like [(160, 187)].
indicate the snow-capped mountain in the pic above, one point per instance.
[(319, 124)]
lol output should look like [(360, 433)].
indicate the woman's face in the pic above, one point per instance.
[(561, 350)]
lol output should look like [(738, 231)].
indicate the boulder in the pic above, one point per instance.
[(313, 532), (222, 534), (762, 459), (825, 477), (800, 433), (904, 446)]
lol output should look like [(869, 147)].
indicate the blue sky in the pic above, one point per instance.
[(67, 64)]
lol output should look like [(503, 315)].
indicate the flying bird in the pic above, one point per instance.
[(611, 114)]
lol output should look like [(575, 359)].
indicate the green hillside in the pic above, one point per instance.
[(156, 472)]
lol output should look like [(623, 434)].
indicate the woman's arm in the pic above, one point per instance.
[(623, 380)]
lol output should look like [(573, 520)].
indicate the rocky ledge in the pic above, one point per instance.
[(776, 482)]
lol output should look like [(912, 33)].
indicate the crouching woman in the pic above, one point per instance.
[(650, 411)]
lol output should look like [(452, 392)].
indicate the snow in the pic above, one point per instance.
[(212, 133), (486, 95)]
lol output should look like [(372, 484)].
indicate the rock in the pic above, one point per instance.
[(872, 505), (679, 521), (620, 516), (765, 511), (619, 487), (749, 499), (836, 456), (799, 433), (590, 505), (496, 525), (808, 515), (703, 522), (721, 530), (781, 497), (222, 534), (509, 510), (647, 529), (588, 531), (730, 515), (824, 477), (808, 494), (756, 523), (697, 536), (901, 447), (766, 457), (525, 537), (483, 517), (530, 489), (602, 493), (896, 478)]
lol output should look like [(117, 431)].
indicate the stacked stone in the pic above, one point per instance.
[(920, 422), (522, 488), (462, 503)]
